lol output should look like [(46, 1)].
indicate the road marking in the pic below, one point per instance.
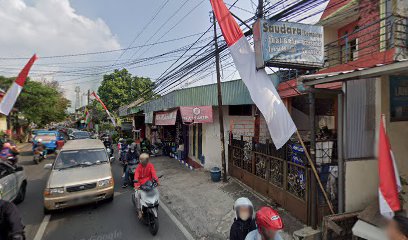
[(43, 226), (186, 233)]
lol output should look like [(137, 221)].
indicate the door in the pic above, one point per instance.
[(8, 183), (200, 140)]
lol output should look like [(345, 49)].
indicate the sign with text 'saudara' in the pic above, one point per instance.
[(288, 44)]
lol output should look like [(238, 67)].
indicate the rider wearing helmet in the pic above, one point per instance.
[(144, 172), (11, 226), (269, 224), (40, 147), (244, 221)]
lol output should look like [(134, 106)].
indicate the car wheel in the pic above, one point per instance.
[(21, 193), (110, 199), (46, 211)]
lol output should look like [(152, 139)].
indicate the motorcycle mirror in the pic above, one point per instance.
[(160, 176), (19, 169)]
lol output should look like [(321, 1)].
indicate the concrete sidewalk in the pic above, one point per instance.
[(205, 207)]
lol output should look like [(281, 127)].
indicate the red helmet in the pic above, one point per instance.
[(269, 219)]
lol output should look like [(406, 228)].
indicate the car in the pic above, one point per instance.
[(50, 139), (79, 135), (80, 174), (13, 182)]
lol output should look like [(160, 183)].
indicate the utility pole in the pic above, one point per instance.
[(89, 95), (220, 112), (259, 13)]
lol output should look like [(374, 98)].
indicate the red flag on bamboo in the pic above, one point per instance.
[(14, 91), (104, 107), (389, 182)]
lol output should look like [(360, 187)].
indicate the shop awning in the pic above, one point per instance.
[(196, 114), (165, 118)]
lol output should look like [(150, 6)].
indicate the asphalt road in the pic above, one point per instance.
[(103, 221)]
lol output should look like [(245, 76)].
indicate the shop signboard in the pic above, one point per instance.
[(399, 98), (166, 118), (288, 44), (196, 114)]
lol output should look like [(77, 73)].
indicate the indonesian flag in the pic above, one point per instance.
[(104, 107), (14, 91), (260, 86), (390, 184)]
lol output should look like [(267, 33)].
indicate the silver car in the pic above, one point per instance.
[(13, 182)]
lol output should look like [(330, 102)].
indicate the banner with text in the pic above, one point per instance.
[(196, 114), (288, 44), (166, 118)]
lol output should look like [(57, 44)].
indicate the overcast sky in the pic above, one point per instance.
[(59, 27)]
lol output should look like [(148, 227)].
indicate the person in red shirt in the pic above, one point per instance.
[(144, 172)]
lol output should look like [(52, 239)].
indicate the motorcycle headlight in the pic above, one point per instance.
[(53, 191), (108, 150), (105, 182)]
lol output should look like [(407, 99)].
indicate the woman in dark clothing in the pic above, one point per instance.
[(244, 221)]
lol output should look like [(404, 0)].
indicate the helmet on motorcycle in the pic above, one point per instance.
[(7, 145), (268, 220), (39, 140), (244, 209)]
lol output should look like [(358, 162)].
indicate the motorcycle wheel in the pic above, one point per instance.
[(154, 226)]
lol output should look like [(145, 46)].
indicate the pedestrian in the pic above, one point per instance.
[(397, 228), (269, 223), (11, 226), (244, 221)]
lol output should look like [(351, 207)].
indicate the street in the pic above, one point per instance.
[(115, 220)]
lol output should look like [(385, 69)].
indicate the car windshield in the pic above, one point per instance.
[(46, 136), (81, 135), (80, 158)]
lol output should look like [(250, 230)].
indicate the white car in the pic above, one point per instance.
[(13, 183)]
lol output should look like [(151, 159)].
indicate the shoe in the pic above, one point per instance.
[(140, 215), (124, 186)]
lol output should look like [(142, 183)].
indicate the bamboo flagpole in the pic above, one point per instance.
[(315, 173)]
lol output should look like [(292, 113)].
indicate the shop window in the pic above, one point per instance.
[(240, 110), (398, 98)]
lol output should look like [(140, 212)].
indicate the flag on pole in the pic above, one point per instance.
[(260, 86), (87, 116), (389, 181), (14, 91), (104, 107)]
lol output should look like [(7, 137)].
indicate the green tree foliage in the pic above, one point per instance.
[(40, 103), (121, 88)]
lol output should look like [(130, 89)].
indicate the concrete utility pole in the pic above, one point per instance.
[(220, 112), (77, 97)]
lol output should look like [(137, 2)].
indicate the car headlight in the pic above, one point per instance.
[(53, 191), (105, 182)]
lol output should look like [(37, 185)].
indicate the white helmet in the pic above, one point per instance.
[(39, 140), (243, 202)]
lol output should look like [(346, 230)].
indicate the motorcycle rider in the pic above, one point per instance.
[(144, 172), (40, 147), (132, 155), (244, 221), (269, 224), (11, 226)]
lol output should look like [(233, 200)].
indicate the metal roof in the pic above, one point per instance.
[(82, 144), (233, 93), (373, 71)]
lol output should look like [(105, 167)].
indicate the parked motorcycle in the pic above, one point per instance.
[(149, 201), (38, 157)]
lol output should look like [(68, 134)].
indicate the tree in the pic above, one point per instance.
[(121, 88), (40, 103)]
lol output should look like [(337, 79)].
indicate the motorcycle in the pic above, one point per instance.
[(109, 150), (132, 165), (156, 149), (38, 157), (149, 201), (122, 155)]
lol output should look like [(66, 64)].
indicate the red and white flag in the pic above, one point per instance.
[(104, 107), (389, 182), (260, 86), (14, 91)]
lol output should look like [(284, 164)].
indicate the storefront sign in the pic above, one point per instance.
[(288, 44), (197, 114), (166, 118)]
